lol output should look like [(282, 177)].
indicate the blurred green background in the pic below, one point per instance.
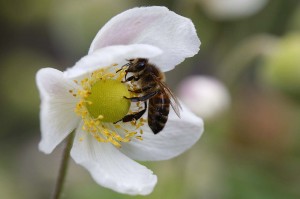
[(250, 150)]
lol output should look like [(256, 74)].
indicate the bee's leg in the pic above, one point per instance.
[(131, 78), (144, 89), (142, 98), (134, 116)]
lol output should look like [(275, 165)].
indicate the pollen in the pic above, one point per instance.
[(102, 105)]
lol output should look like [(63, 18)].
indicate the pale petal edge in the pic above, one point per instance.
[(179, 135), (155, 25), (57, 104), (109, 56), (110, 168)]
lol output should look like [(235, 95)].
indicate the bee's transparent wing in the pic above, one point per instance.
[(173, 99)]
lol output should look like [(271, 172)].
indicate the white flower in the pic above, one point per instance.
[(204, 95), (89, 97), (232, 9)]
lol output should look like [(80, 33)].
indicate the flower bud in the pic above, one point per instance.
[(205, 96), (282, 66)]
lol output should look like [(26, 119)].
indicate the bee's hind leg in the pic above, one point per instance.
[(140, 90), (133, 116), (142, 98), (137, 115)]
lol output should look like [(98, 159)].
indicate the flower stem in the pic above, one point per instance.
[(63, 167)]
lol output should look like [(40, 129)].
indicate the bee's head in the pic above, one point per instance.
[(137, 65)]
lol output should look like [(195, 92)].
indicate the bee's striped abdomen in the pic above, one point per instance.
[(158, 112)]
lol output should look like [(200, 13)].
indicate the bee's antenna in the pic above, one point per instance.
[(122, 68), (125, 65)]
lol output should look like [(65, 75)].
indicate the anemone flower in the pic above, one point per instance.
[(88, 98)]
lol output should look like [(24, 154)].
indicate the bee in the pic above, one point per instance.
[(152, 87)]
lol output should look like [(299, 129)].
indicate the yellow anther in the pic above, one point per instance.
[(117, 126), (117, 144), (126, 140), (139, 137), (117, 137), (131, 134)]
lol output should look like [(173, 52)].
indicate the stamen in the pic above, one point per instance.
[(101, 126)]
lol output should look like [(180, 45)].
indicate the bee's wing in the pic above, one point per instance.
[(173, 99)]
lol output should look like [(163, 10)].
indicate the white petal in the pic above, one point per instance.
[(157, 26), (178, 135), (57, 108), (111, 55), (110, 168)]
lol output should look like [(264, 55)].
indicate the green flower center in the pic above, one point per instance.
[(107, 100), (101, 103)]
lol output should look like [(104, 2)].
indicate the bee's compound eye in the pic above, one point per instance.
[(141, 63)]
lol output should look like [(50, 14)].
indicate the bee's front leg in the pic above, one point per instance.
[(135, 78)]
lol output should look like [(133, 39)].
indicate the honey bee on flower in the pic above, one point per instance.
[(92, 98)]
